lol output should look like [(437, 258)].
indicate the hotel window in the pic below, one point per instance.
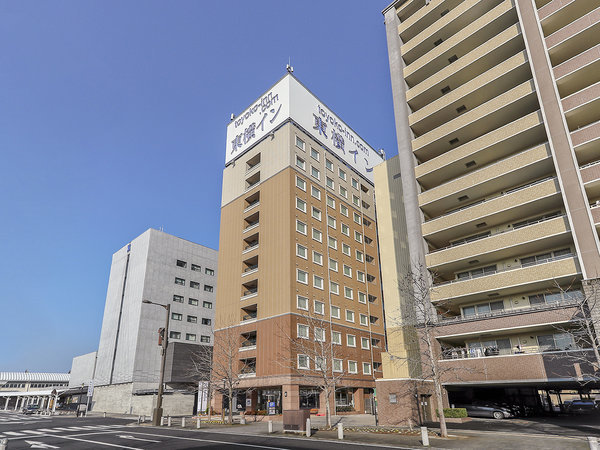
[(192, 319), (355, 183), (317, 282), (345, 249), (334, 288), (347, 271), (301, 251), (349, 316), (175, 335), (316, 213), (342, 174), (300, 183), (357, 218), (331, 222), (314, 172), (355, 200), (300, 163), (205, 339), (332, 242), (349, 294), (193, 301), (345, 229), (208, 288), (335, 312), (367, 368), (317, 258), (328, 165), (180, 281), (207, 305), (314, 154), (299, 143), (302, 331), (364, 320), (319, 307), (338, 365), (300, 204), (344, 209), (210, 272), (359, 256), (303, 362), (333, 264), (178, 298), (350, 340), (319, 334), (302, 303), (206, 321), (330, 202), (300, 227), (329, 183), (194, 285), (301, 276), (358, 237), (352, 367), (181, 263), (343, 192), (315, 192), (196, 268), (364, 343), (176, 316), (190, 337), (317, 235), (360, 276)]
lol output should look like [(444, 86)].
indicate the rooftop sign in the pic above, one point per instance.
[(290, 99)]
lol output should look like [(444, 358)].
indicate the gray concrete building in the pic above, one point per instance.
[(163, 269)]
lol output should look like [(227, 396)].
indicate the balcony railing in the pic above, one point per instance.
[(478, 352), (250, 292), (251, 205), (251, 316), (493, 272), (250, 247), (250, 268)]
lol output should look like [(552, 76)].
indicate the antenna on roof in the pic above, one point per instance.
[(289, 67)]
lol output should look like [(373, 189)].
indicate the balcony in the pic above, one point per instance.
[(510, 281), (422, 17), (251, 206), (525, 132), (578, 72), (248, 341), (537, 197), (491, 53), (596, 216), (512, 171), (248, 367), (582, 108), (251, 222), (586, 142), (559, 13), (590, 175), (517, 102), (546, 233), (574, 38), (249, 313)]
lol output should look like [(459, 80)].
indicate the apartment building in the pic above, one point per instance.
[(497, 109), (165, 270), (298, 256)]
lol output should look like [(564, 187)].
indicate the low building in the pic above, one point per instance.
[(18, 389)]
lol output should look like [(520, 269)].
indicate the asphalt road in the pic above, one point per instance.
[(68, 432)]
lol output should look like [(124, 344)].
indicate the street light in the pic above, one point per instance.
[(157, 413)]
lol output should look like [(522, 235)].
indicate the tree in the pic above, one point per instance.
[(313, 355)]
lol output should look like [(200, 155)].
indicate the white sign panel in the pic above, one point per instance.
[(290, 99)]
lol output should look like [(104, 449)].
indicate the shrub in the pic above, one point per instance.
[(454, 413), (345, 408)]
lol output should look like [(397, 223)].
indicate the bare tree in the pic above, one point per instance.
[(312, 353)]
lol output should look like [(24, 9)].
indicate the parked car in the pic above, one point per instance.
[(31, 409), (582, 407), (481, 409)]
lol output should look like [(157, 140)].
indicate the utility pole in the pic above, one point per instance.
[(157, 413)]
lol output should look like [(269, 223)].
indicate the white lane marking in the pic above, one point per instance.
[(13, 433), (75, 428), (234, 444), (49, 430), (128, 436), (36, 444), (33, 432), (97, 442)]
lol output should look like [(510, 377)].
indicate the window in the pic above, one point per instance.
[(316, 193), (180, 281), (329, 183), (344, 209), (320, 363), (476, 273), (190, 337), (205, 339), (314, 172), (350, 340), (300, 204), (335, 312), (193, 302), (357, 218), (362, 297), (300, 163), (355, 200), (299, 143), (303, 362), (206, 321), (319, 307), (346, 249), (317, 258), (301, 251), (301, 276), (357, 237), (316, 213), (317, 282), (331, 221), (300, 183), (181, 263), (360, 276), (338, 365), (366, 368), (332, 242), (345, 229), (342, 174), (319, 334), (349, 294), (334, 288), (196, 268), (194, 285), (333, 264), (208, 288), (330, 202), (207, 305), (352, 367), (300, 227), (176, 316), (192, 319), (317, 235), (302, 303), (355, 183), (328, 165), (175, 335), (302, 331), (347, 271), (336, 337), (364, 343), (210, 272), (178, 298), (359, 256), (343, 192), (314, 154), (364, 320), (349, 316)]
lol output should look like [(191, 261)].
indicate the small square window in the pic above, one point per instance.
[(336, 337), (300, 204), (330, 202), (345, 229), (181, 263), (359, 256), (175, 335), (317, 282), (178, 298), (299, 143), (333, 264), (314, 154), (317, 235), (303, 362), (342, 174), (360, 276), (328, 165), (357, 236), (180, 281), (364, 343), (210, 272), (206, 321), (208, 288), (300, 227), (301, 251), (349, 316), (344, 209), (343, 192), (355, 183), (176, 316), (192, 319), (364, 320), (338, 365), (331, 221), (335, 312), (332, 242), (207, 305), (319, 307), (347, 271), (205, 339), (302, 303), (357, 218), (316, 193), (196, 268), (316, 213), (366, 368), (349, 294), (317, 258), (355, 200), (350, 340), (301, 276), (300, 163), (315, 173), (352, 367), (194, 285), (329, 183), (193, 301), (300, 183), (302, 331), (319, 335), (346, 249), (334, 288)]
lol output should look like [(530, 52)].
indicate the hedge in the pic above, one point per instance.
[(454, 413)]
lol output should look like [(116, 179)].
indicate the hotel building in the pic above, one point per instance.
[(496, 184), (298, 246)]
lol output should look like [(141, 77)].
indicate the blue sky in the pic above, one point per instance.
[(113, 117)]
